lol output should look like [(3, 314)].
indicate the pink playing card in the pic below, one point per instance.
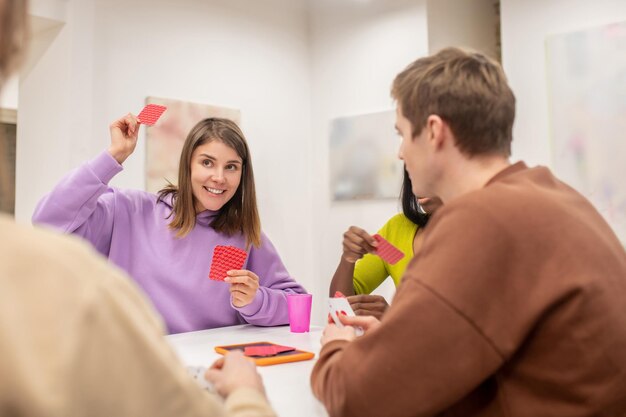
[(226, 258), (271, 350), (150, 114), (387, 251)]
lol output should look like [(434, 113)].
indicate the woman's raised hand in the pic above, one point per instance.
[(124, 132)]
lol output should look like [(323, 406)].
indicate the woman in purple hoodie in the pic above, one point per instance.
[(166, 241)]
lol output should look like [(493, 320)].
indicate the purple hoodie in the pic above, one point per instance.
[(131, 229)]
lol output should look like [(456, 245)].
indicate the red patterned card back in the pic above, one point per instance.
[(270, 350), (387, 251), (150, 114), (226, 258)]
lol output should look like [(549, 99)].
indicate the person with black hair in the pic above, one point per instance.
[(361, 271)]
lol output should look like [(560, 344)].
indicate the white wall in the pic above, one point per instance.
[(357, 50), (525, 25), (462, 23), (9, 93), (42, 146), (111, 54)]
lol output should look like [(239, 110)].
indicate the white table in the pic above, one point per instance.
[(287, 384)]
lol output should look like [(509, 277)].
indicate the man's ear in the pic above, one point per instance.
[(436, 130)]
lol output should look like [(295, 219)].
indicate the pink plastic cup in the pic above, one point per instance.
[(299, 306)]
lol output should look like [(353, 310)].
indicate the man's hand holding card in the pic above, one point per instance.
[(351, 325), (345, 325)]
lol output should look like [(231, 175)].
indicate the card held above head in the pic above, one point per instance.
[(150, 114)]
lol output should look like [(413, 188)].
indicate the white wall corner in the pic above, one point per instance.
[(50, 10)]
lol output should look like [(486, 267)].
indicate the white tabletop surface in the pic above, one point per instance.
[(287, 384)]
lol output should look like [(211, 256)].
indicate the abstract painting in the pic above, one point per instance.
[(364, 162), (587, 102)]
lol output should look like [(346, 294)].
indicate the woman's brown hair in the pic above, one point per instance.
[(240, 213)]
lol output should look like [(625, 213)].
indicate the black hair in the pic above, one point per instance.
[(410, 207)]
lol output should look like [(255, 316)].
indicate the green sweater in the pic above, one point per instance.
[(370, 271)]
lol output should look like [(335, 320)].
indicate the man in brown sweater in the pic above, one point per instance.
[(516, 303)]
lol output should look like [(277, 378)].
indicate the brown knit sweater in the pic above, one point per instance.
[(515, 306)]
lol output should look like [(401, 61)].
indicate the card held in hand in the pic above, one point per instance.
[(387, 251), (340, 306), (150, 114), (226, 258)]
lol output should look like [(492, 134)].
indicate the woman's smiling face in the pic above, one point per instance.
[(215, 175)]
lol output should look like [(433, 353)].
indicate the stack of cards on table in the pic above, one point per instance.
[(266, 350), (226, 258), (150, 114), (387, 251), (267, 353)]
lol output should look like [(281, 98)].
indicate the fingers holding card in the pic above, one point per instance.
[(340, 306), (226, 258)]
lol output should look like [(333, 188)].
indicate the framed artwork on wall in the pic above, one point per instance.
[(364, 162), (164, 140), (586, 73), (8, 135)]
